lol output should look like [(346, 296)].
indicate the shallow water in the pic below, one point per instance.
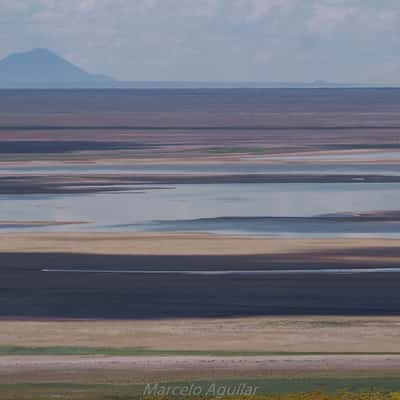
[(197, 207)]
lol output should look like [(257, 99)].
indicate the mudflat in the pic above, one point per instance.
[(71, 293)]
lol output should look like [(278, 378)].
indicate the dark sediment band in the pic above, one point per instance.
[(28, 292), (37, 184)]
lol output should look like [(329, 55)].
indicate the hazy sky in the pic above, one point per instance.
[(214, 40)]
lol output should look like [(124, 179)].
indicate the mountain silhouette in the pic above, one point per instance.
[(43, 68)]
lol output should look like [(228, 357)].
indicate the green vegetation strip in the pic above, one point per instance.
[(142, 351), (266, 387)]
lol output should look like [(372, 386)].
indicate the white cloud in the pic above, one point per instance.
[(327, 18), (366, 18), (262, 8)]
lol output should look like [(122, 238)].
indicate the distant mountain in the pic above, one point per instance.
[(41, 68)]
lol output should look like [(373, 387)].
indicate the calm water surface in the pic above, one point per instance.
[(201, 208)]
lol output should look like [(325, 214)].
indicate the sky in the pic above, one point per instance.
[(348, 41)]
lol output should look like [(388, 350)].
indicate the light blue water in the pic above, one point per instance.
[(178, 208)]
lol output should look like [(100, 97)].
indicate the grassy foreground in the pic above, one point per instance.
[(268, 389)]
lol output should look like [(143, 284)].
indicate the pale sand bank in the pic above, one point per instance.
[(175, 244), (256, 334)]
